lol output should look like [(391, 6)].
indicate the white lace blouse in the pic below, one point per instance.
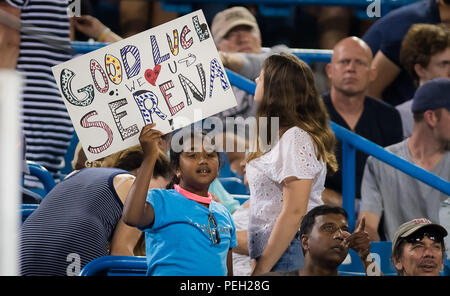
[(294, 155)]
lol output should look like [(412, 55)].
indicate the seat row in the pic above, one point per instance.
[(352, 266)]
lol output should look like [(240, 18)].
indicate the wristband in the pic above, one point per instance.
[(102, 36)]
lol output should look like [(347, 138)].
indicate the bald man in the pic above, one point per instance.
[(351, 73)]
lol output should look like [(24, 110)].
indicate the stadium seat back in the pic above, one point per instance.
[(381, 252), (234, 185)]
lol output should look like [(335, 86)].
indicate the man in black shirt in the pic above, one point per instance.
[(350, 73)]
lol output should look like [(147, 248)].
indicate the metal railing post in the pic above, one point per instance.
[(348, 182)]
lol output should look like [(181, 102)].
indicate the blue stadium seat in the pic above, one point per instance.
[(30, 197), (225, 169), (446, 271), (26, 210), (43, 175), (234, 185), (241, 197), (384, 250), (350, 273), (116, 266), (381, 251), (68, 157), (29, 206)]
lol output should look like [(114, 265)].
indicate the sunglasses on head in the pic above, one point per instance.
[(419, 235)]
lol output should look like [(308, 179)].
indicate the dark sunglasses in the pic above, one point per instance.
[(419, 235), (215, 238)]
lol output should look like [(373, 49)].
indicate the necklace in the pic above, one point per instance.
[(193, 196)]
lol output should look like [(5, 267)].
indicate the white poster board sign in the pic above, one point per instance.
[(171, 75)]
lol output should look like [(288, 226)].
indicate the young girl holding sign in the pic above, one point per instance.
[(187, 233)]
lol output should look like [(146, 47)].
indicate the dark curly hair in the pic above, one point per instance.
[(420, 43)]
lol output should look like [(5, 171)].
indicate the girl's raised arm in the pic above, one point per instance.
[(137, 212)]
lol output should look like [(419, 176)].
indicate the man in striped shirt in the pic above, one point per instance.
[(44, 43)]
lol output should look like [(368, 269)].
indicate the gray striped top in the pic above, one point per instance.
[(72, 225), (44, 43)]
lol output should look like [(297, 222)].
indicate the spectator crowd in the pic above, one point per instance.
[(388, 83)]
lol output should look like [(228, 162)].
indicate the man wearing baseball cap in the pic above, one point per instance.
[(432, 96), (235, 30), (418, 248), (391, 196)]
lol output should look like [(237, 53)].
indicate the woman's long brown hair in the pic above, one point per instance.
[(291, 95)]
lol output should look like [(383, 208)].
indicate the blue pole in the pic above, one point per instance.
[(241, 82), (393, 160), (348, 182)]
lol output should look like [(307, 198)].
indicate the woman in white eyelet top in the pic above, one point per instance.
[(288, 180), (293, 156)]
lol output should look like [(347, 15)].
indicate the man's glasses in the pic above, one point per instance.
[(215, 237), (419, 235)]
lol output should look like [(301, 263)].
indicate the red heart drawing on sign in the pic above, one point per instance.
[(152, 75)]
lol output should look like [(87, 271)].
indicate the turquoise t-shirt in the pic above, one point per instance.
[(181, 239)]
